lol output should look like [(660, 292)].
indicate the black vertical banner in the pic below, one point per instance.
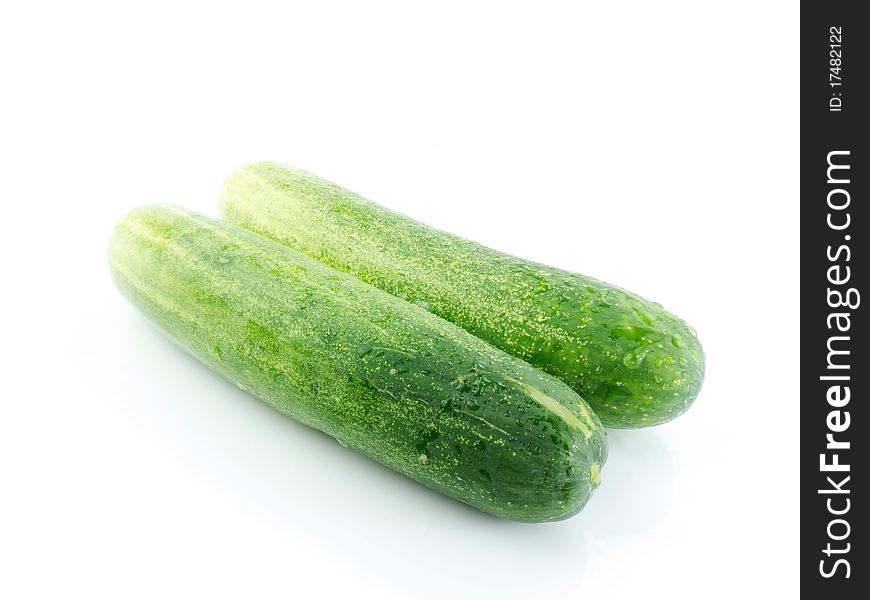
[(834, 370)]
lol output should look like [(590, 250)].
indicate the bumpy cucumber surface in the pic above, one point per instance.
[(383, 376), (635, 363)]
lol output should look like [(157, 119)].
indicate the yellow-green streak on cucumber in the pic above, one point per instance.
[(383, 376), (635, 363)]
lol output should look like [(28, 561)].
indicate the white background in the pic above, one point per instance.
[(653, 145)]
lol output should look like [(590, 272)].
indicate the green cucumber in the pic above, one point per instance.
[(635, 363), (382, 376)]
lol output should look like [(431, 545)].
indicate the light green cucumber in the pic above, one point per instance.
[(381, 375), (635, 363)]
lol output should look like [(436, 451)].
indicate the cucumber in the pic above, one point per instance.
[(635, 363), (382, 376)]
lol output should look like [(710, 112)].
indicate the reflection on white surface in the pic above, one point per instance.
[(636, 485), (300, 478)]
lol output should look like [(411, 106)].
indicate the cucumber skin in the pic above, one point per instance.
[(636, 364), (382, 376)]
